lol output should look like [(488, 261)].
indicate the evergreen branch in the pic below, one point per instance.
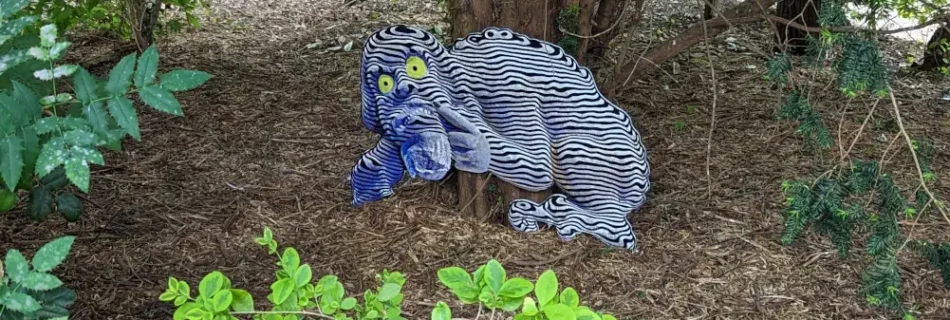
[(910, 145)]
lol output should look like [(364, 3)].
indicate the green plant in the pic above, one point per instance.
[(856, 195), (115, 17), (293, 295), (27, 289), (489, 287), (54, 135)]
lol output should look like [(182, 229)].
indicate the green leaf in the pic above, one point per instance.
[(388, 291), (529, 308), (570, 298), (184, 289), (182, 312), (147, 67), (11, 160), (120, 77), (96, 116), (14, 111), (183, 80), (516, 288), (8, 8), (168, 296), (510, 304), (85, 86), (55, 302), (495, 275), (52, 254), (348, 303), (243, 301), (69, 205), (441, 311), (454, 277), (21, 302), (55, 180), (124, 113), (282, 290), (27, 99), (608, 317), (16, 266), (80, 137), (546, 287), (584, 313), (303, 275), (41, 203), (51, 156), (161, 100), (290, 260), (222, 300), (180, 300), (40, 281), (559, 312), (77, 170), (31, 150), (210, 284)]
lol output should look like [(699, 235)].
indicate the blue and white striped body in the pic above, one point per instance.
[(517, 107)]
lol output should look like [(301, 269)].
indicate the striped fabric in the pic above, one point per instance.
[(501, 102)]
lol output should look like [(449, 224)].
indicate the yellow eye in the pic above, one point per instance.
[(385, 83), (415, 67)]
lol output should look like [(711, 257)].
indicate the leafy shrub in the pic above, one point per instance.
[(28, 291), (54, 135), (113, 16), (489, 287), (293, 295)]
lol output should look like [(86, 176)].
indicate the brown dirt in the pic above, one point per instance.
[(270, 140)]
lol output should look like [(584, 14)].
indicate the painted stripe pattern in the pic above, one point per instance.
[(544, 120)]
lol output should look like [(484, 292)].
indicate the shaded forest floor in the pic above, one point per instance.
[(270, 141)]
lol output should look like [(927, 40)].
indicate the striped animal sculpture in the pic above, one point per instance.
[(501, 102)]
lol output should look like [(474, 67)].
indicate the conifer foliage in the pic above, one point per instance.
[(855, 195)]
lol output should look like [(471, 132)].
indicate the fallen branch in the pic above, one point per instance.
[(910, 145), (747, 12), (687, 39)]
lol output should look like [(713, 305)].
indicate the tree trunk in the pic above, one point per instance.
[(804, 12), (711, 9), (481, 196), (937, 53), (535, 18)]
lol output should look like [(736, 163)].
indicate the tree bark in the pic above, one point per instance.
[(535, 18), (653, 59), (804, 12), (711, 8), (937, 53)]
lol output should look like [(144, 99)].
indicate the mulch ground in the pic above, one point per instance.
[(270, 141)]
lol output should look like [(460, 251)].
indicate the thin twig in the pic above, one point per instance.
[(712, 121), (860, 130), (910, 145)]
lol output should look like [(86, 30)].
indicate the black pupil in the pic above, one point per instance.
[(414, 68)]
